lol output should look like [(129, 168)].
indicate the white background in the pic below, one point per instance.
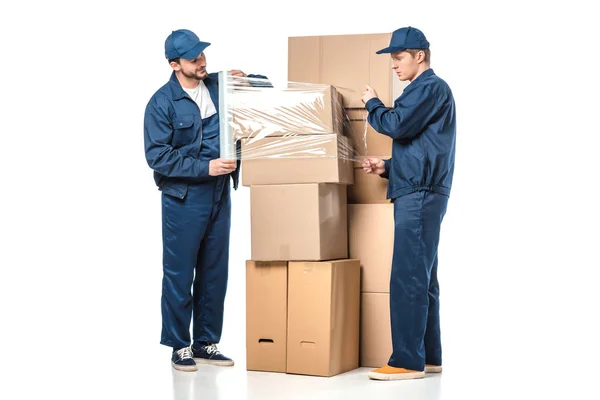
[(80, 214)]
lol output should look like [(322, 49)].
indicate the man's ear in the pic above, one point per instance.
[(175, 66), (421, 56)]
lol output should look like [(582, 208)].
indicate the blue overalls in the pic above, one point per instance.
[(422, 125), (196, 253), (196, 213)]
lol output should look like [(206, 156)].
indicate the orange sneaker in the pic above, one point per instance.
[(388, 373), (433, 369)]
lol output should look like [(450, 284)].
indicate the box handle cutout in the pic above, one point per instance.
[(308, 345)]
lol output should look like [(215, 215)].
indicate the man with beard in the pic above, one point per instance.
[(181, 140)]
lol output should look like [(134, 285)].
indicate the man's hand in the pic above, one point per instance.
[(221, 166), (237, 72), (373, 166), (368, 94), (239, 78)]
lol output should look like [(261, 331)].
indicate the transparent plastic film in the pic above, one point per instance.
[(367, 142), (260, 120)]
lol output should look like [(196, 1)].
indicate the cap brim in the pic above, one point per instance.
[(390, 49), (195, 51)]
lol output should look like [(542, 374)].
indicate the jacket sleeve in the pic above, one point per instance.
[(160, 154), (266, 83), (410, 114), (386, 173)]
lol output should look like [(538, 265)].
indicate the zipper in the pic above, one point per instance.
[(201, 137)]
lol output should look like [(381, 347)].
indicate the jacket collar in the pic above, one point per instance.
[(424, 75), (175, 88), (177, 92)]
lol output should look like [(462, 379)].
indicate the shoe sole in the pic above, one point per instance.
[(184, 368), (433, 369), (214, 362), (396, 377)]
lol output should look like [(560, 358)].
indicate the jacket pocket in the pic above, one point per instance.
[(412, 165), (184, 131)]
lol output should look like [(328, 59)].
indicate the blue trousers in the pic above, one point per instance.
[(195, 262), (414, 288)]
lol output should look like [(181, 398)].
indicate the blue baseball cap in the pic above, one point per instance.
[(406, 38), (185, 44)]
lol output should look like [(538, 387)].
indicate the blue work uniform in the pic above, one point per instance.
[(422, 125), (196, 212)]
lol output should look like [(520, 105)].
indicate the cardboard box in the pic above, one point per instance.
[(375, 330), (323, 317), (299, 222), (266, 316), (367, 189), (347, 62), (298, 110), (371, 232), (366, 141), (299, 159)]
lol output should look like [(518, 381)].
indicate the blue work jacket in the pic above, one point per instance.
[(173, 137), (422, 125)]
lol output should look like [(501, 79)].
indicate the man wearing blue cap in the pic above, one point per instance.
[(181, 138), (422, 125)]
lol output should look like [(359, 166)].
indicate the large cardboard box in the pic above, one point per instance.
[(297, 110), (266, 316), (323, 317), (366, 141), (348, 62), (306, 222), (367, 189), (371, 232), (375, 330), (297, 159)]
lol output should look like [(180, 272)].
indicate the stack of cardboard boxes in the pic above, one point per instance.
[(349, 62), (322, 231), (302, 291)]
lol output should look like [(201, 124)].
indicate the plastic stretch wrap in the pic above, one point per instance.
[(297, 120)]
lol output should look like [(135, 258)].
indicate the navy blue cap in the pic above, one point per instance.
[(185, 44), (406, 38)]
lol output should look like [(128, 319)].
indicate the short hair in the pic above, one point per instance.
[(413, 52), (177, 60)]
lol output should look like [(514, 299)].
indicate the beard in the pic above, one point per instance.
[(195, 75)]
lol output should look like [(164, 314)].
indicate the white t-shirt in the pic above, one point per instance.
[(201, 96)]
